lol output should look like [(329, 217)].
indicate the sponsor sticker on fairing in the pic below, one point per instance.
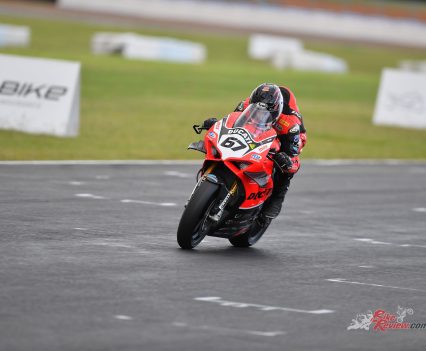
[(211, 135), (256, 157)]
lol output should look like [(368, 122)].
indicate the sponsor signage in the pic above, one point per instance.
[(401, 100), (39, 96)]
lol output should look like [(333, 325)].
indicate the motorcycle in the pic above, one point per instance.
[(234, 182)]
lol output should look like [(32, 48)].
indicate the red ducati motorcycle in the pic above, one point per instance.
[(235, 181)]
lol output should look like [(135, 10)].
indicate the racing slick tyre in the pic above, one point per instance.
[(194, 224), (253, 234)]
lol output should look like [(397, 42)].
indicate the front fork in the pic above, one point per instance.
[(202, 179), (216, 218), (212, 178)]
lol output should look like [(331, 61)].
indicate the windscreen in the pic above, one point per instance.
[(256, 119)]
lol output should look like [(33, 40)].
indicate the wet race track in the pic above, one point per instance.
[(89, 260)]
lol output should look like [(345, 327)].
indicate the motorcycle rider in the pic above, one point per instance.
[(290, 108), (291, 134)]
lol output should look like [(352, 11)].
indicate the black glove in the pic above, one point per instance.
[(283, 161), (208, 123)]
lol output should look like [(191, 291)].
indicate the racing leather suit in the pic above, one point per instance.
[(292, 135)]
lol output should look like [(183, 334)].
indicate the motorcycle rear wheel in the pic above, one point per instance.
[(252, 236), (194, 224)]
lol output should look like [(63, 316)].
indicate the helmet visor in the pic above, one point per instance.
[(255, 115), (256, 118)]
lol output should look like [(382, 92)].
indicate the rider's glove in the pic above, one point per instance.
[(208, 123), (240, 107), (283, 161)]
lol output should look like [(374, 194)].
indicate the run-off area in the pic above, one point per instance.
[(89, 260)]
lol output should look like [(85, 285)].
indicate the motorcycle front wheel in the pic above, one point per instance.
[(194, 224)]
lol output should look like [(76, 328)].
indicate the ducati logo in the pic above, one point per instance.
[(259, 195)]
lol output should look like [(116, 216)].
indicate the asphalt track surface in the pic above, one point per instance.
[(81, 269)]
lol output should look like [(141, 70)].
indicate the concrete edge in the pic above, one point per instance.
[(319, 162)]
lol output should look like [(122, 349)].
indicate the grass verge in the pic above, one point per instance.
[(145, 110)]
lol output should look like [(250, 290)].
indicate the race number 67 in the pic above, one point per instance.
[(233, 143)]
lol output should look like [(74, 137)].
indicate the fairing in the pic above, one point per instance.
[(243, 148)]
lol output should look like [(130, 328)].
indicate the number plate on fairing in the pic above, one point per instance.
[(232, 146), (237, 142)]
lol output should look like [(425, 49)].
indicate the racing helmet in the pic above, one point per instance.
[(270, 95), (256, 119)]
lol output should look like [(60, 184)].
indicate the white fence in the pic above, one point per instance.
[(14, 35), (134, 46), (288, 53), (267, 18)]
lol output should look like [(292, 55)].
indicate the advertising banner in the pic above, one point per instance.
[(401, 100), (39, 96)]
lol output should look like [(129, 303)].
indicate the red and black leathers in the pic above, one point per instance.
[(292, 135), (289, 127)]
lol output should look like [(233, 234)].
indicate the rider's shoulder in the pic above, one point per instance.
[(286, 123)]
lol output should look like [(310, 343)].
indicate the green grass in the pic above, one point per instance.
[(145, 110)]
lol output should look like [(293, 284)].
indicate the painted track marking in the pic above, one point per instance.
[(419, 209), (374, 242), (123, 317), (318, 162), (90, 196), (341, 280), (226, 303), (76, 183), (111, 244), (230, 330), (179, 174), (164, 204), (98, 197)]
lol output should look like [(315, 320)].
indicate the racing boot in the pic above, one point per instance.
[(274, 204)]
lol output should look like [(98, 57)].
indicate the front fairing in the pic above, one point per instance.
[(242, 152)]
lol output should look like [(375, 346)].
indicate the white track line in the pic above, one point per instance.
[(103, 162), (319, 162), (164, 204), (123, 317), (341, 280), (97, 197), (374, 242), (229, 330), (74, 182), (102, 177), (90, 196), (419, 209), (352, 162), (226, 303), (125, 246), (179, 174)]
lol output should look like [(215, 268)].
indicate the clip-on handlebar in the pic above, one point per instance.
[(198, 129)]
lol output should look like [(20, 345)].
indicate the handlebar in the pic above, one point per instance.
[(198, 128)]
